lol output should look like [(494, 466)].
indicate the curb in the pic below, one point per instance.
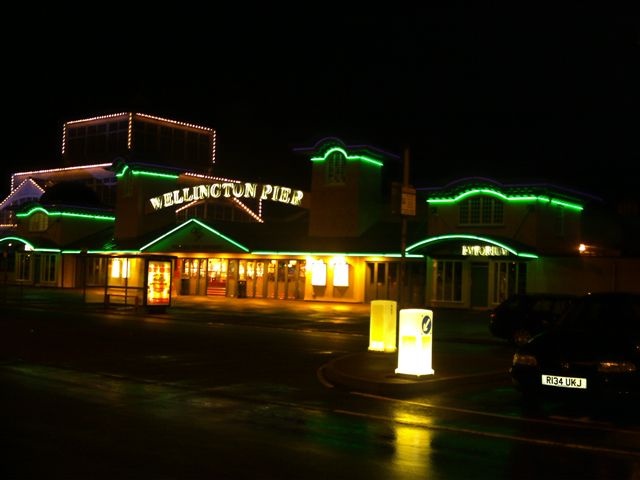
[(380, 381), (377, 375)]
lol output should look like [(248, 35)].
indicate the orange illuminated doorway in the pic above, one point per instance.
[(259, 286), (252, 272), (217, 269), (193, 276), (284, 279)]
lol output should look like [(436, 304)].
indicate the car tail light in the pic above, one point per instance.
[(617, 367), (524, 359)]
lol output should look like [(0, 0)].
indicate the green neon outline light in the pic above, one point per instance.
[(362, 158), (155, 174), (508, 198), (122, 171), (395, 255), (566, 204), (31, 248), (146, 173), (65, 214), (134, 252), (193, 220), (117, 251), (442, 238), (18, 239)]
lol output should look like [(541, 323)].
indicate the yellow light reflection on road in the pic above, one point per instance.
[(413, 444)]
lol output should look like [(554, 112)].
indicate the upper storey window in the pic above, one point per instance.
[(38, 222), (481, 210), (335, 167)]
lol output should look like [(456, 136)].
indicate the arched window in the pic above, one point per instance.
[(38, 222), (335, 167), (481, 210)]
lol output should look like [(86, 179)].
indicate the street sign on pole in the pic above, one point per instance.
[(408, 201)]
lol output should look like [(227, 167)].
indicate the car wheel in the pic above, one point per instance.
[(521, 337)]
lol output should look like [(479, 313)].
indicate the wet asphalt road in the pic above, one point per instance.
[(109, 395)]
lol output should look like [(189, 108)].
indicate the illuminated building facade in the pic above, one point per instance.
[(142, 217), (487, 240), (136, 136)]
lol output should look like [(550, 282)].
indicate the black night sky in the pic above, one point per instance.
[(545, 94)]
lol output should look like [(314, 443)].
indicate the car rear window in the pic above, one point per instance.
[(543, 305), (603, 315)]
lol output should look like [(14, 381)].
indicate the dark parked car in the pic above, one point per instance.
[(522, 316), (593, 351)]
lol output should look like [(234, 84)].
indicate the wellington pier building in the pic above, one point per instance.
[(136, 212)]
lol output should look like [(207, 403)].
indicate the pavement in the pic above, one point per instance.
[(364, 371)]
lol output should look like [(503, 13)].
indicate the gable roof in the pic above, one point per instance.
[(28, 190), (283, 237)]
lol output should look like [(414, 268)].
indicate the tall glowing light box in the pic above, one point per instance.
[(158, 282), (319, 274), (415, 342), (382, 326), (341, 274)]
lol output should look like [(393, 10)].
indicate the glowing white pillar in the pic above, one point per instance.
[(382, 327), (415, 342)]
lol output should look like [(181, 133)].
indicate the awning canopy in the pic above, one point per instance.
[(471, 245)]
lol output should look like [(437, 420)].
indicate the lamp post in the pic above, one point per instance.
[(83, 255), (407, 208)]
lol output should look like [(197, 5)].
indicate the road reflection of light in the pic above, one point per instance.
[(413, 444)]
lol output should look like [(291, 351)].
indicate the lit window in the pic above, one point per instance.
[(447, 281), (481, 210), (38, 222), (335, 166), (119, 268)]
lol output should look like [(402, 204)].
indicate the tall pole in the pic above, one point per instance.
[(403, 233), (84, 276)]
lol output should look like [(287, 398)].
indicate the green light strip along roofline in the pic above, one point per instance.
[(30, 246), (193, 220), (443, 238), (363, 158), (17, 239), (66, 214), (508, 198), (149, 174), (103, 252), (394, 255), (122, 171), (156, 174), (566, 204)]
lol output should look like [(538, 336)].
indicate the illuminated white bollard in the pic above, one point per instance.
[(415, 341), (382, 327)]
